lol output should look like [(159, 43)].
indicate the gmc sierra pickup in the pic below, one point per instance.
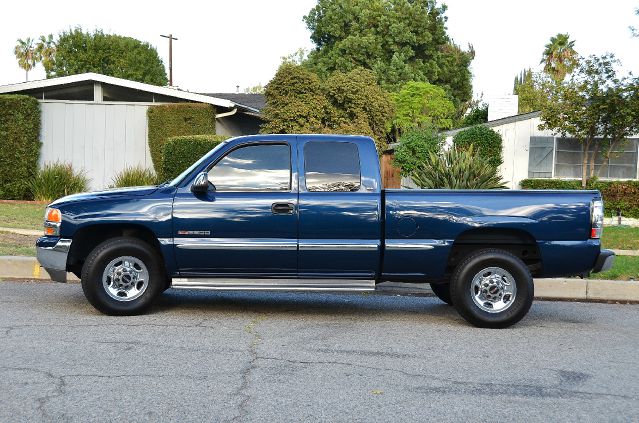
[(308, 212)]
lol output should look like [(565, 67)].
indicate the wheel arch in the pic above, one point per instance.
[(518, 242), (90, 236)]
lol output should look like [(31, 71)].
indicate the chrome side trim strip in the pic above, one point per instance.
[(165, 241), (413, 244), (339, 244), (273, 284), (236, 244)]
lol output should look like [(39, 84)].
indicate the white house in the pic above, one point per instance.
[(98, 123)]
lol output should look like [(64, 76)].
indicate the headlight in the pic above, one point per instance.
[(52, 221)]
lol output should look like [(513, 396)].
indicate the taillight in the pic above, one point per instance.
[(596, 219)]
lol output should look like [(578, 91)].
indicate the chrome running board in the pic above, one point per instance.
[(223, 284)]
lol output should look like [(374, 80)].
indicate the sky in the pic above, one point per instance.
[(222, 44)]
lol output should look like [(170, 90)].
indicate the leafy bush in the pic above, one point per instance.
[(419, 104), (57, 180), (414, 148), (623, 195), (134, 177), (487, 142), (171, 120), (182, 152), (457, 168), (19, 144)]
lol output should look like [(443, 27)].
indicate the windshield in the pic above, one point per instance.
[(205, 157)]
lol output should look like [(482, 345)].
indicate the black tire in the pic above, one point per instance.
[(462, 296), (96, 263), (442, 291)]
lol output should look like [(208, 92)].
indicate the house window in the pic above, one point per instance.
[(565, 156), (540, 157)]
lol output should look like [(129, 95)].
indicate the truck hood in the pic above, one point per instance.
[(131, 192)]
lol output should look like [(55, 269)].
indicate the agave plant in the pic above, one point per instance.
[(457, 168)]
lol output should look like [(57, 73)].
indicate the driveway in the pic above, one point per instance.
[(240, 356)]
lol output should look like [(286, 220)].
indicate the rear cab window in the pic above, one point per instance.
[(332, 167)]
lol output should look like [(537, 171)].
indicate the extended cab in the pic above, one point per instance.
[(308, 212)]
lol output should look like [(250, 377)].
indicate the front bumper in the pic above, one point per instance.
[(604, 262), (52, 254)]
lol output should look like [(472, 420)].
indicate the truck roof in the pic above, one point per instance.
[(320, 137)]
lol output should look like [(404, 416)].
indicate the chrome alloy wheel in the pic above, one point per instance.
[(125, 278), (493, 289)]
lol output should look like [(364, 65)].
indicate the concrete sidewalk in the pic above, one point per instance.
[(562, 288)]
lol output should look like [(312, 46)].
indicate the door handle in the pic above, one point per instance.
[(283, 208)]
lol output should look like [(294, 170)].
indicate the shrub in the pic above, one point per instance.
[(414, 148), (57, 180), (457, 168), (617, 195), (182, 152), (19, 144), (170, 120), (487, 142), (134, 177)]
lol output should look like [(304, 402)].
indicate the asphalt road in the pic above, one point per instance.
[(203, 356)]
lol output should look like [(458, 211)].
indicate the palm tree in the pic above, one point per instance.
[(46, 52), (27, 54), (559, 57)]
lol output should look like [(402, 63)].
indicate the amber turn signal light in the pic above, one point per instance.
[(53, 216)]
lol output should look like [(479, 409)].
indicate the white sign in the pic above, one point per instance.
[(501, 107)]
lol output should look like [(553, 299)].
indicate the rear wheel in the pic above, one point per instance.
[(442, 291), (492, 289), (122, 276)]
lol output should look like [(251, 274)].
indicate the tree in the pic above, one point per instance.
[(255, 89), (596, 106), (27, 55), (358, 105), (487, 143), (559, 57), (528, 88), (400, 40), (297, 101), (46, 52), (109, 54), (477, 114), (633, 30), (415, 147), (420, 104)]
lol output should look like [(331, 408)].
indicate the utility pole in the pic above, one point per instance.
[(171, 38)]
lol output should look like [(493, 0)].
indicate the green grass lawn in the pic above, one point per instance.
[(625, 268), (620, 237), (22, 215)]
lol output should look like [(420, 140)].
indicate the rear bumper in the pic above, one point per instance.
[(52, 255), (605, 260)]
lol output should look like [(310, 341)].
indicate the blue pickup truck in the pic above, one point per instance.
[(308, 212)]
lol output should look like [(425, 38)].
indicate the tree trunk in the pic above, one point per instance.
[(584, 163), (593, 158)]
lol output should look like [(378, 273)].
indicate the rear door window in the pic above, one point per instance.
[(332, 167)]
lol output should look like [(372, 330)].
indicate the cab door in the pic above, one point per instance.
[(339, 210), (246, 224)]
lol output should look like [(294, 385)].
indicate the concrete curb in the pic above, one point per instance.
[(19, 267), (626, 252), (29, 232)]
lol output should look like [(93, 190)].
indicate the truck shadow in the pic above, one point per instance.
[(320, 303)]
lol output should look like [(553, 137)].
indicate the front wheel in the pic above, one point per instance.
[(492, 289), (122, 276)]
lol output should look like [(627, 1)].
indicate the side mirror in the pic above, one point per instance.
[(201, 184)]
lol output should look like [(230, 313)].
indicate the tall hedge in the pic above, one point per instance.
[(617, 195), (170, 120), (19, 145), (182, 152), (486, 140)]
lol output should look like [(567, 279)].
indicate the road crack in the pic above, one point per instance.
[(242, 392)]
